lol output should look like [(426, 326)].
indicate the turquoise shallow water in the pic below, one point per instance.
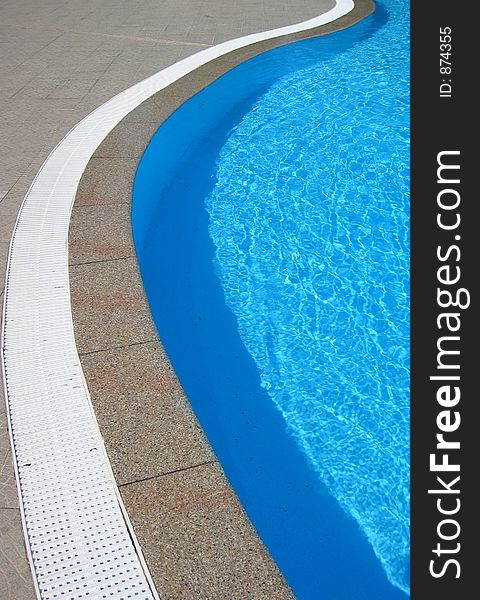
[(270, 218), (309, 215)]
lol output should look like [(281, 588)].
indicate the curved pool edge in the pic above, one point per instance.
[(113, 164), (44, 338)]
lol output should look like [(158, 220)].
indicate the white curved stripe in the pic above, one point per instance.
[(79, 539)]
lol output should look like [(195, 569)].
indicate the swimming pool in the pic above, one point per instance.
[(270, 218)]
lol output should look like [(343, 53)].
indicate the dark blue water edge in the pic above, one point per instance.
[(319, 549)]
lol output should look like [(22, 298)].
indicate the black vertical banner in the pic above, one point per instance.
[(445, 235)]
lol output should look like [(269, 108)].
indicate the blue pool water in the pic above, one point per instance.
[(270, 217)]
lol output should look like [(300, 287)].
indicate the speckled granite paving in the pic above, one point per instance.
[(196, 538), (58, 61)]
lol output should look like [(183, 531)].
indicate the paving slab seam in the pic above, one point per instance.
[(166, 474), (52, 423), (103, 260), (123, 347)]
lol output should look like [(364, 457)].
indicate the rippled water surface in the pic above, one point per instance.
[(270, 218), (310, 220)]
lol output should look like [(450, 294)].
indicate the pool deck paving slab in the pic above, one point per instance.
[(144, 417), (59, 61), (100, 232), (202, 547), (115, 313)]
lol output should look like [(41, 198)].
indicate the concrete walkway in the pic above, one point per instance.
[(59, 61)]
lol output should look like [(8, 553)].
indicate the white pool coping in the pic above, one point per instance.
[(79, 540)]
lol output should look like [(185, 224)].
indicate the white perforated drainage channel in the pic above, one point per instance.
[(78, 537)]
